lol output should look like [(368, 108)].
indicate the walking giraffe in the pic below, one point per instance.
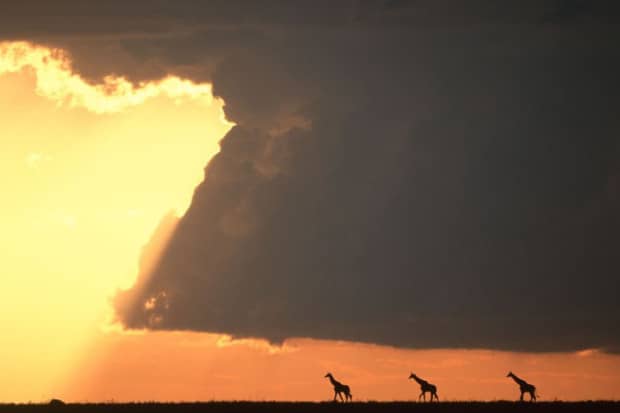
[(524, 386), (340, 388), (425, 387)]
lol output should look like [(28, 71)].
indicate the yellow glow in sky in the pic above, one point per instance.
[(86, 173)]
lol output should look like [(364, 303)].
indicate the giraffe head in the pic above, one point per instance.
[(509, 374), (329, 375), (411, 376)]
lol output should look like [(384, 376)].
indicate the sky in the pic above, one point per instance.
[(202, 194)]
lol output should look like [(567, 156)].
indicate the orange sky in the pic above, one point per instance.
[(88, 171), (193, 366)]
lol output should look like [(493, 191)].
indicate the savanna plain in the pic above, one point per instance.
[(323, 407)]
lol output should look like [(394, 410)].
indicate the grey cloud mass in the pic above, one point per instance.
[(400, 173)]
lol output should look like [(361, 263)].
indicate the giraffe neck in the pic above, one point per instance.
[(333, 381), (419, 380), (517, 380)]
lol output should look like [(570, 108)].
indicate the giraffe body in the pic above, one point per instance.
[(339, 389), (524, 387), (425, 387)]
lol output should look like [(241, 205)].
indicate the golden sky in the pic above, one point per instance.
[(87, 172)]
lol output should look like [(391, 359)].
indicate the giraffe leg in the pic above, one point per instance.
[(341, 398), (521, 398), (335, 395), (420, 396)]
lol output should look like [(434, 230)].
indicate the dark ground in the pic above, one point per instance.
[(327, 407)]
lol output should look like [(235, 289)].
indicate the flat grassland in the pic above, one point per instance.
[(324, 407)]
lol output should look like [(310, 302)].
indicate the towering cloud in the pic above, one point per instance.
[(399, 174), (434, 189)]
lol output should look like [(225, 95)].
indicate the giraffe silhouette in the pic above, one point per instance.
[(524, 386), (340, 388), (425, 387)]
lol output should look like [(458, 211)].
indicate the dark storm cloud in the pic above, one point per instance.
[(401, 173), (563, 11), (119, 17), (454, 190), (144, 39)]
